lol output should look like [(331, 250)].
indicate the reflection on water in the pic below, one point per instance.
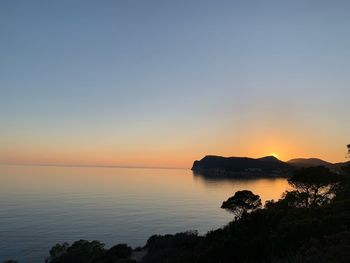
[(40, 206), (267, 188)]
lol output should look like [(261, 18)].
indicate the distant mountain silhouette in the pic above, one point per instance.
[(242, 166), (308, 162), (312, 162), (212, 165), (342, 164)]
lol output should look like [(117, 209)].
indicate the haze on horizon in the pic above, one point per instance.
[(160, 83)]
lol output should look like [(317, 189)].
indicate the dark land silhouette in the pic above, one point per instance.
[(268, 166), (309, 162), (312, 162), (241, 166), (310, 223)]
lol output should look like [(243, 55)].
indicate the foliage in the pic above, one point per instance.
[(292, 229), (58, 250), (332, 248), (84, 251), (172, 248), (315, 186), (119, 251), (242, 202)]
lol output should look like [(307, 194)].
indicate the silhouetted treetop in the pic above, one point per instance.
[(84, 251), (316, 183), (242, 202)]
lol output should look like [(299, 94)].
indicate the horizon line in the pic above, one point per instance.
[(96, 165)]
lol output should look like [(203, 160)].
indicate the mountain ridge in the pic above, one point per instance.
[(241, 166), (309, 162), (267, 166)]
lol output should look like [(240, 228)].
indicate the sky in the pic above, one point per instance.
[(163, 83)]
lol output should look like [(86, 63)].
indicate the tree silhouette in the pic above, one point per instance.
[(81, 251), (314, 186), (242, 202)]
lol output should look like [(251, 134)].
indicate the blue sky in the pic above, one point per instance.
[(164, 82)]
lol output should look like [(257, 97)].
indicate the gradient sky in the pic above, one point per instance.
[(162, 83)]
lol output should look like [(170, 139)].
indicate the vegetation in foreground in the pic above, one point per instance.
[(309, 224)]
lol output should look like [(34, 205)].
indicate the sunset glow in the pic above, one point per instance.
[(174, 131), (274, 155), (247, 88)]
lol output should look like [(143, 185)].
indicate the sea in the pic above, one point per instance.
[(41, 206)]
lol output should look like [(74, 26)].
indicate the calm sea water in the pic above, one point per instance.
[(42, 206)]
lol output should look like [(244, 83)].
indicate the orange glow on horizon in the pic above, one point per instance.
[(180, 152), (145, 158), (274, 155)]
